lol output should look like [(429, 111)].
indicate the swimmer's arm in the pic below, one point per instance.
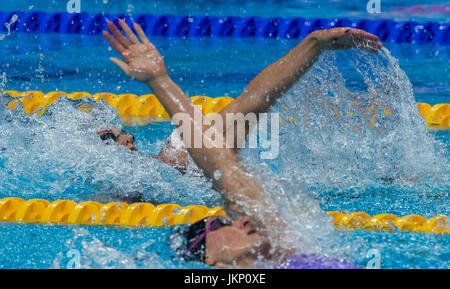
[(261, 93), (242, 193), (238, 187), (143, 62)]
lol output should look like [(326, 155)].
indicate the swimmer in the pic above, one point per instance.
[(118, 135), (230, 243), (172, 154), (222, 242), (262, 92)]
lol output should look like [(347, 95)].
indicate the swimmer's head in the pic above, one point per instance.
[(119, 136), (219, 241)]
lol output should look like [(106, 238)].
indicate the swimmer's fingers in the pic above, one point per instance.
[(348, 38), (114, 43), (372, 47), (128, 32), (141, 33), (122, 65), (369, 48), (364, 39), (368, 45), (351, 43), (118, 35), (346, 47), (358, 33)]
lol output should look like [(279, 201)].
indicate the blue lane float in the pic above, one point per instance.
[(209, 26)]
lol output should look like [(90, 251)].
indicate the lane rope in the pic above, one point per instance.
[(390, 222), (67, 212), (226, 26), (144, 109)]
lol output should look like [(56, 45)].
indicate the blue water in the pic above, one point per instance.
[(34, 246), (52, 158), (71, 61)]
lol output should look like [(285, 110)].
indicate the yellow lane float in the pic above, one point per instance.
[(141, 110), (67, 212), (389, 222)]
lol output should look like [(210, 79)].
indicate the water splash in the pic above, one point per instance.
[(355, 136), (59, 155), (40, 70), (355, 126), (14, 18), (345, 136), (3, 82), (94, 254)]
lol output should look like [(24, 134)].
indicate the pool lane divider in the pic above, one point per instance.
[(67, 212), (225, 26), (144, 109)]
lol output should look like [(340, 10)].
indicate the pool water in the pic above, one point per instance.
[(56, 61), (58, 156)]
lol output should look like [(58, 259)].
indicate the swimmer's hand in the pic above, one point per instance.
[(142, 60), (346, 38)]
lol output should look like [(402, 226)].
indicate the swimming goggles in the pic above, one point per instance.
[(215, 225), (117, 136)]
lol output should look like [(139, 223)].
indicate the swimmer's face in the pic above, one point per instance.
[(127, 140), (239, 244)]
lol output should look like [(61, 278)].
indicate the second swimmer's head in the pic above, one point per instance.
[(120, 136)]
